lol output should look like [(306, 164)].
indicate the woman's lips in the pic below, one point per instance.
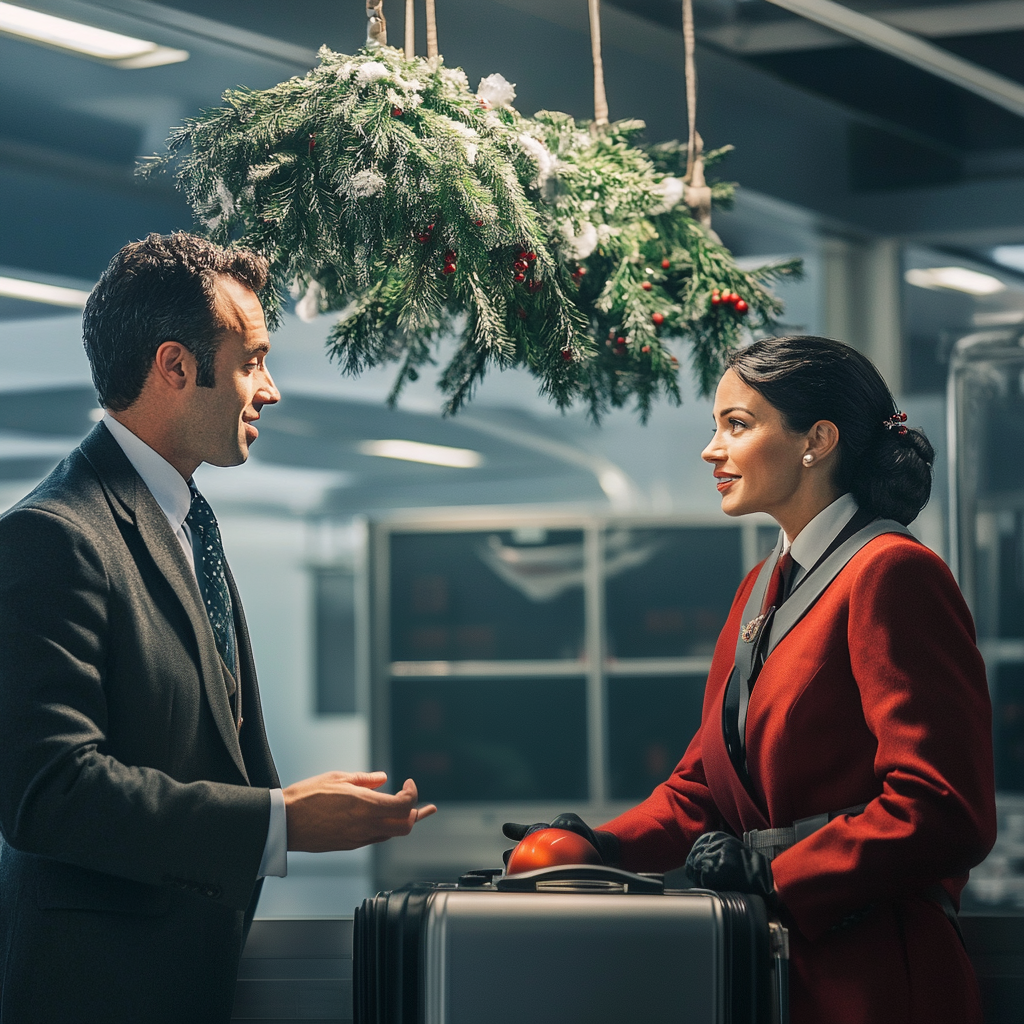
[(725, 483)]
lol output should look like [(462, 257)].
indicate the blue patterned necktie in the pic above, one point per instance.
[(212, 577)]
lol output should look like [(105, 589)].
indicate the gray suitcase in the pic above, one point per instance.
[(567, 944)]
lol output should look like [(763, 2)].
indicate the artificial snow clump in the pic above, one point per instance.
[(671, 192), (455, 80), (546, 161), (372, 71), (579, 247), (495, 91), (365, 183), (308, 308)]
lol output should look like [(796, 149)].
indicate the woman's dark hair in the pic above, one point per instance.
[(809, 379), (162, 288)]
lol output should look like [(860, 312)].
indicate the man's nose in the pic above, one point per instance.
[(267, 393)]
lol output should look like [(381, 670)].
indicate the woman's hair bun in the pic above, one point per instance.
[(896, 475)]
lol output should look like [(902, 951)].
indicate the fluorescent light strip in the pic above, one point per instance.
[(34, 291), (121, 51), (957, 279), (414, 451)]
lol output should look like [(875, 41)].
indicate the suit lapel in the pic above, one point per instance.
[(259, 760), (132, 500)]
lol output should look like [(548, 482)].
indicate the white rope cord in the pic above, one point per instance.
[(689, 42), (431, 30), (600, 99), (697, 194), (410, 30)]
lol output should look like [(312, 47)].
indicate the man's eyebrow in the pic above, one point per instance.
[(255, 349)]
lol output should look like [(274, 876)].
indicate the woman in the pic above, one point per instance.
[(874, 702)]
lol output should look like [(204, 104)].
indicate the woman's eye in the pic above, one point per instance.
[(737, 424)]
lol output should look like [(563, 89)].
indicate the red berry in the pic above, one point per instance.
[(312, 143), (520, 265), (396, 111), (479, 223), (741, 307), (430, 227), (531, 256), (646, 285), (580, 271), (665, 264), (449, 268), (521, 255), (675, 362), (620, 341), (423, 237), (450, 255), (535, 286), (658, 318), (567, 354), (520, 277), (521, 313), (646, 348), (716, 300)]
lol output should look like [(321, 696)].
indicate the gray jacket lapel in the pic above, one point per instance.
[(796, 606), (132, 500), (746, 650)]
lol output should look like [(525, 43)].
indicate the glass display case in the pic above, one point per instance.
[(986, 445)]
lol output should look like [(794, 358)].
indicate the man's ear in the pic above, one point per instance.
[(174, 365)]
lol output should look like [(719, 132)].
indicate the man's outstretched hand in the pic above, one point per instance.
[(345, 810)]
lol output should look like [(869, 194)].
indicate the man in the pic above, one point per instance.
[(139, 804)]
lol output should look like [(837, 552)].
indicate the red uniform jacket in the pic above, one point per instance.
[(878, 695)]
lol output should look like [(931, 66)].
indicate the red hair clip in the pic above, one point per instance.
[(895, 422)]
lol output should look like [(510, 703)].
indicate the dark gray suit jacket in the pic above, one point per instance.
[(133, 812)]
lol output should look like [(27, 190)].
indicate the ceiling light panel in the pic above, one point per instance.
[(415, 451), (112, 47), (35, 291), (957, 279)]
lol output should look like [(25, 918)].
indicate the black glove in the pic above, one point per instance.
[(606, 844), (721, 862)]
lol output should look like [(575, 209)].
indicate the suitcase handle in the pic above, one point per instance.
[(528, 881)]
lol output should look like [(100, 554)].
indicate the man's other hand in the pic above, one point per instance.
[(345, 810)]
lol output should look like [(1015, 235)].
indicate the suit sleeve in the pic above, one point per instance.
[(657, 834), (925, 700), (61, 796)]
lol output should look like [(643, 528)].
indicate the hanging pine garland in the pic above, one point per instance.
[(379, 185)]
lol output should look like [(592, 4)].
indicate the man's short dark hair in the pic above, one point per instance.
[(160, 289)]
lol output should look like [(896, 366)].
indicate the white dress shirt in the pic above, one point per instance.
[(173, 496), (813, 540)]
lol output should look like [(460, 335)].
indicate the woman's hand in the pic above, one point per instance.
[(722, 862)]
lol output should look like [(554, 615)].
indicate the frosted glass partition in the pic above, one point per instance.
[(986, 452)]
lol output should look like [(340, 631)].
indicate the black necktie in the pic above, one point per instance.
[(212, 577)]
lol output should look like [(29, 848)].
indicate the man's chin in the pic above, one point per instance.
[(225, 461)]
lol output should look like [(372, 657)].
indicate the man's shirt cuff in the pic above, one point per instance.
[(275, 853)]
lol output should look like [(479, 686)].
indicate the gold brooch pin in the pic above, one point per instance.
[(750, 631)]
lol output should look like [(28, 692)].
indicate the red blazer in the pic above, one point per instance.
[(878, 695)]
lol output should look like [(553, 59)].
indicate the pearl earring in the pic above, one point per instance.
[(808, 459)]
